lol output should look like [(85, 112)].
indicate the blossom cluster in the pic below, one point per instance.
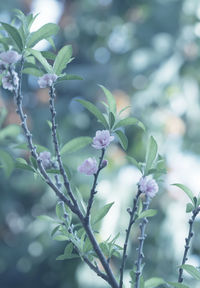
[(101, 141), (10, 79)]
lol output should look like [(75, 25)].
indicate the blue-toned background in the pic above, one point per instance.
[(147, 54)]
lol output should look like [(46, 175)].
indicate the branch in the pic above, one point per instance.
[(73, 206), (141, 243), (56, 145), (128, 230), (93, 191), (187, 242)]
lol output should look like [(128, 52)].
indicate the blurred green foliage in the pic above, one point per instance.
[(147, 53)]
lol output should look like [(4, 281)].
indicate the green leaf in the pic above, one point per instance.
[(44, 32), (177, 285), (46, 218), (134, 162), (189, 207), (110, 99), (68, 253), (147, 213), (122, 138), (48, 55), (62, 59), (129, 121), (55, 230), (9, 131), (192, 271), (60, 210), (3, 114), (69, 77), (95, 111), (75, 144), (187, 191), (61, 237), (7, 163), (96, 216), (33, 71), (151, 153), (111, 119), (14, 34), (154, 282), (22, 164), (41, 59)]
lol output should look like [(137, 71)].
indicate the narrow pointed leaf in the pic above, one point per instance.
[(151, 154), (14, 34), (148, 213), (62, 59), (75, 144), (7, 163), (187, 191), (177, 285), (122, 138), (95, 111), (192, 271), (97, 215), (154, 282), (69, 77), (129, 121), (110, 99), (44, 32), (42, 60)]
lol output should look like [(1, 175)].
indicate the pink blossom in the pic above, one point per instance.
[(47, 80), (88, 167), (10, 57), (148, 186), (10, 82), (46, 159), (102, 139)]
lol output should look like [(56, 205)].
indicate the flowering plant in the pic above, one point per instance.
[(19, 57)]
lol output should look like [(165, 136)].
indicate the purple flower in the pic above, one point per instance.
[(10, 82), (102, 139), (10, 57), (46, 159), (47, 80), (88, 167), (148, 186)]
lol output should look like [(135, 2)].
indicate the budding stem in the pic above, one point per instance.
[(128, 230), (187, 242), (141, 239)]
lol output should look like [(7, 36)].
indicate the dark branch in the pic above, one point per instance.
[(93, 190), (128, 230), (141, 239), (187, 242)]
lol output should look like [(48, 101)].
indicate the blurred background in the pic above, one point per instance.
[(147, 54)]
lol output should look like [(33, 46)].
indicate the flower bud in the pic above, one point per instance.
[(46, 159), (104, 163), (88, 167)]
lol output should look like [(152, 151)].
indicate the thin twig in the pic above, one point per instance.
[(141, 239), (128, 230), (56, 144), (93, 190), (187, 242)]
